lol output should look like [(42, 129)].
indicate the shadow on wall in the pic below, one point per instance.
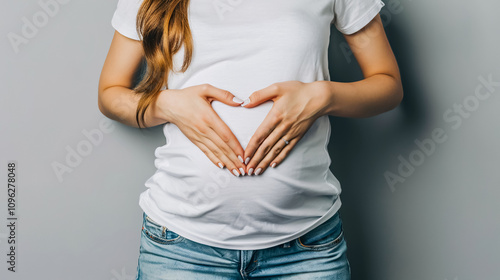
[(363, 149)]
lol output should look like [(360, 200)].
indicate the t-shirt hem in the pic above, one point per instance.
[(151, 212), (363, 20)]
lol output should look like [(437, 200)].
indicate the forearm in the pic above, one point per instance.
[(120, 104), (369, 97)]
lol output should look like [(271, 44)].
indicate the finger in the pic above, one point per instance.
[(267, 145), (268, 125), (203, 133), (223, 141), (282, 149), (218, 125), (269, 158), (256, 142), (226, 161), (284, 152), (279, 150), (225, 145), (210, 155), (226, 141), (260, 96), (224, 96), (205, 144)]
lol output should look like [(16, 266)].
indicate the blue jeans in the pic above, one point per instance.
[(318, 254)]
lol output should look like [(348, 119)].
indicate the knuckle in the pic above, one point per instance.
[(217, 153), (277, 150), (275, 87), (266, 150), (206, 87), (289, 121), (202, 129), (256, 95), (277, 116), (204, 119), (260, 139), (225, 137), (227, 95)]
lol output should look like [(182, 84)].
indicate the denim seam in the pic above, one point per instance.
[(162, 239), (334, 242)]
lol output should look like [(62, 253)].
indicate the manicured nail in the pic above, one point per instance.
[(242, 171), (237, 100), (245, 102), (220, 165), (235, 172), (273, 164), (250, 171), (247, 160), (240, 158), (257, 172)]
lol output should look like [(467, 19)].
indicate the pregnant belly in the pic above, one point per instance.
[(243, 122), (189, 184)]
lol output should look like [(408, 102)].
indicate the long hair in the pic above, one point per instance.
[(164, 27)]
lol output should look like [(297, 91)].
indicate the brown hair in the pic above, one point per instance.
[(164, 27)]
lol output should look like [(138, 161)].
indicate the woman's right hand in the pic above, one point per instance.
[(191, 111)]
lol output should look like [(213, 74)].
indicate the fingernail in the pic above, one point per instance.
[(242, 171), (273, 165), (247, 160), (220, 165), (235, 172), (237, 100), (245, 102), (240, 158), (257, 172), (250, 171)]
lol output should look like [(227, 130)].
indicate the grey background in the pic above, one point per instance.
[(440, 223)]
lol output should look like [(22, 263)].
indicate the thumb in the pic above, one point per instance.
[(224, 96), (259, 97)]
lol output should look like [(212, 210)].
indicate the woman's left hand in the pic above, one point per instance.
[(296, 106)]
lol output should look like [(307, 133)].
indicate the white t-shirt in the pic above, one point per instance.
[(244, 46)]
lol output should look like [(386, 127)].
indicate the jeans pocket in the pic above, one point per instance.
[(325, 236), (158, 233)]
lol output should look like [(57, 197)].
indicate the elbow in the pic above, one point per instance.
[(99, 103), (100, 93), (396, 98), (101, 108), (397, 94)]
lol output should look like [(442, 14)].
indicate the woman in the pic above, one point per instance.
[(243, 188)]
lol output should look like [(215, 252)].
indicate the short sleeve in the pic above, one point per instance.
[(124, 18), (352, 15)]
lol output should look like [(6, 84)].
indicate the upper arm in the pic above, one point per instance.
[(123, 60), (372, 50), (125, 53)]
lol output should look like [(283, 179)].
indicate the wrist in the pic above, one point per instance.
[(326, 93), (158, 110)]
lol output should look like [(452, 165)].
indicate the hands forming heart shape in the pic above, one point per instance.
[(296, 106)]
